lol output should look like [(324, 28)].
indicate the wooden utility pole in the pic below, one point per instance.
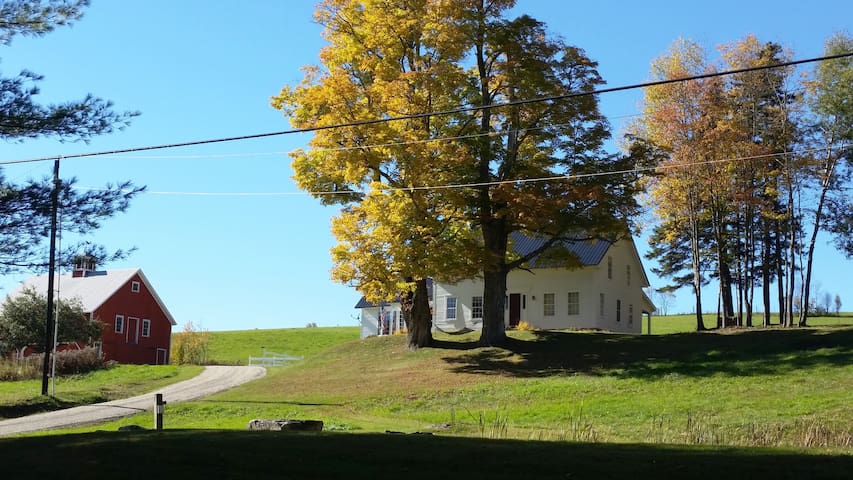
[(51, 268)]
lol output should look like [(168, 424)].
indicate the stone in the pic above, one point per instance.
[(131, 428), (286, 425)]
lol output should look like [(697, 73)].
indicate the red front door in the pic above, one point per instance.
[(132, 334), (514, 309)]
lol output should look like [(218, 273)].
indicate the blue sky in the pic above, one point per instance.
[(201, 70)]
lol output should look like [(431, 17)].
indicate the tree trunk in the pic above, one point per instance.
[(828, 173), (766, 265), (419, 319), (494, 295)]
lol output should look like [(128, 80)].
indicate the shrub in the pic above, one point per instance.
[(190, 347), (524, 326), (68, 362), (14, 370)]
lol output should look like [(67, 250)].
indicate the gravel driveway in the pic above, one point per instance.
[(213, 379)]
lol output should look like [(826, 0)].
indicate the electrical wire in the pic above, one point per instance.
[(636, 170), (415, 116)]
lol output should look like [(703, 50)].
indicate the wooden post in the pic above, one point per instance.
[(158, 411)]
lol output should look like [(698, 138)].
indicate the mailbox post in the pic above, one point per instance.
[(158, 411)]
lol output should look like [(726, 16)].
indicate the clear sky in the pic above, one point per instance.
[(200, 69)]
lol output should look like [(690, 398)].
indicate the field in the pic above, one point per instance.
[(743, 402)]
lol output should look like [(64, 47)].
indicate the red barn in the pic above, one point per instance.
[(137, 324)]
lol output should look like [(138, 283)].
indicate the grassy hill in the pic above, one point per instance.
[(738, 403), (235, 347), (772, 387)]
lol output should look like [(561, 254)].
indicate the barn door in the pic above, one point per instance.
[(514, 309), (132, 332)]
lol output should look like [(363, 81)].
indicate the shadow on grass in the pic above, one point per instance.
[(32, 407), (739, 353), (258, 402), (235, 454)]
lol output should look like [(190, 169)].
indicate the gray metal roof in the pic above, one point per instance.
[(92, 290), (363, 303), (588, 252)]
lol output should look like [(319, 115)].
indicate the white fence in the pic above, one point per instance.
[(272, 359)]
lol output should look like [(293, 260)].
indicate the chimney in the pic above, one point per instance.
[(83, 265)]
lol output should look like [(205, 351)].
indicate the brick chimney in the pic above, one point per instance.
[(83, 265)]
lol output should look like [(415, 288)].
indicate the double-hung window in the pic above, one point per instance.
[(450, 311), (574, 299)]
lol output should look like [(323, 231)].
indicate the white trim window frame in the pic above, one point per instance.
[(477, 308), (549, 305), (146, 328), (450, 308), (574, 303), (134, 286), (119, 324)]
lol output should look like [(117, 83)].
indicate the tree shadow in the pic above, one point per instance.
[(731, 353), (8, 412)]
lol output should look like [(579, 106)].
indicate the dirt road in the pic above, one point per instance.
[(212, 380)]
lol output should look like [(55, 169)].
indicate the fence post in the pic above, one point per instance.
[(158, 411)]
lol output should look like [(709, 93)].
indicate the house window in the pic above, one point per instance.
[(601, 305), (451, 308), (628, 274), (618, 310), (134, 287), (146, 328), (630, 313), (574, 303), (609, 268), (548, 304), (119, 324), (477, 307)]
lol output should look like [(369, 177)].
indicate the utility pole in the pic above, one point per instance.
[(51, 268)]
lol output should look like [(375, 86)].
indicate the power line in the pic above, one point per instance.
[(416, 116), (636, 170)]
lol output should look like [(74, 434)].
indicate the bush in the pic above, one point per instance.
[(190, 346), (524, 326), (68, 362), (14, 370)]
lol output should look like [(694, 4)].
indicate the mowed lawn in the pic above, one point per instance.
[(735, 403), (775, 387)]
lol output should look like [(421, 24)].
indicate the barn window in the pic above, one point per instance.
[(477, 307), (119, 324), (134, 287), (574, 303), (549, 304), (146, 328), (630, 314), (451, 308), (618, 310)]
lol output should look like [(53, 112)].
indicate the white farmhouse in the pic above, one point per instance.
[(605, 292)]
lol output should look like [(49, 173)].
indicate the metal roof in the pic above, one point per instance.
[(363, 303), (588, 251), (93, 289)]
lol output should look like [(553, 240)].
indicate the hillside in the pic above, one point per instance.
[(738, 387)]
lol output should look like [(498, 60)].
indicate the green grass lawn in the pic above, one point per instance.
[(24, 397), (189, 454), (662, 325), (743, 403), (777, 387), (235, 347)]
